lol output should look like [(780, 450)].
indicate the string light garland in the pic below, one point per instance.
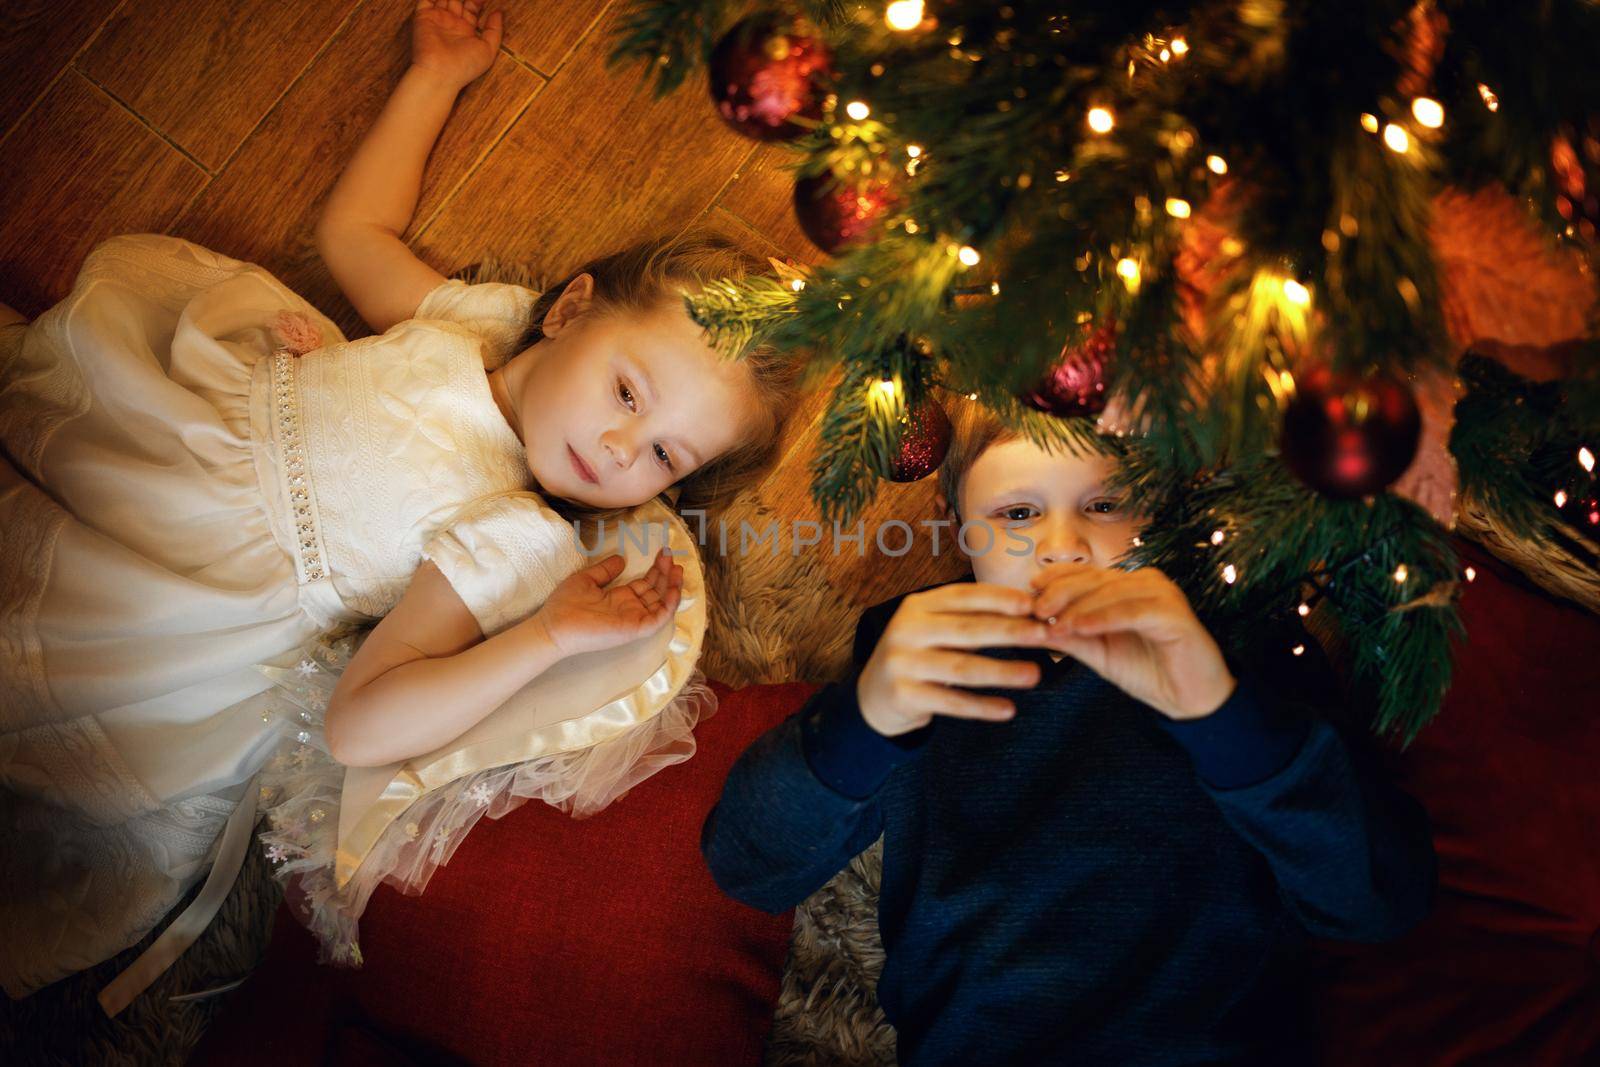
[(964, 119)]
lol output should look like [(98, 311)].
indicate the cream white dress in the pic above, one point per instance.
[(183, 497)]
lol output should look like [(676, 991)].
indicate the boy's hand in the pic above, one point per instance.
[(1136, 630), (582, 615), (453, 40), (911, 675)]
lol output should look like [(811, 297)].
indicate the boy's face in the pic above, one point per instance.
[(1056, 500)]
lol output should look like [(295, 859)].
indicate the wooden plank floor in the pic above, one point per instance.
[(226, 122)]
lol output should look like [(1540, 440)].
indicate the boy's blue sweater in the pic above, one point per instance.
[(1089, 883)]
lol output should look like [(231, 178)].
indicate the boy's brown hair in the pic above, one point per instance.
[(974, 429)]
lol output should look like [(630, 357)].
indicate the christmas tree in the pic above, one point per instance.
[(1203, 227)]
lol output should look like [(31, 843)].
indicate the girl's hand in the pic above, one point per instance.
[(1137, 631), (453, 40), (582, 615), (924, 655)]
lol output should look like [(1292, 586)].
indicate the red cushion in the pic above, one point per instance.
[(546, 940), (1507, 968)]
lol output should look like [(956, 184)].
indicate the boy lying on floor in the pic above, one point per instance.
[(1120, 863)]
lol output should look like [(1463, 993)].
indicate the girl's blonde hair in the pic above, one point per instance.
[(646, 274)]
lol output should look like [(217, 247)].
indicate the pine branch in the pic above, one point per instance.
[(671, 38)]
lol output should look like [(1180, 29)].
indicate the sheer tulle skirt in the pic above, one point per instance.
[(301, 786)]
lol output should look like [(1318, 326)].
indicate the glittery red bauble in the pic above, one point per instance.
[(765, 73), (1347, 436), (835, 213), (1077, 385), (924, 443)]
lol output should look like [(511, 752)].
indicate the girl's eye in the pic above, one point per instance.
[(1018, 512), (626, 394), (662, 456), (1105, 506)]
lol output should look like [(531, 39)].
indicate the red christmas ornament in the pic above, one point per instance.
[(1077, 385), (1346, 436), (767, 72), (834, 213), (923, 444)]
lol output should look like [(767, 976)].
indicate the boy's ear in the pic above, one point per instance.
[(573, 302)]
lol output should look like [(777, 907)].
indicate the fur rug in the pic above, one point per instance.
[(777, 619)]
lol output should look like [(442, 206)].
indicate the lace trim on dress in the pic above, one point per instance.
[(308, 538)]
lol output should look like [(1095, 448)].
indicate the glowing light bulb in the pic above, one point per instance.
[(1428, 111), (1369, 122), (1299, 650), (857, 109), (1217, 537), (968, 256), (1180, 46), (1164, 55), (913, 150), (1304, 610), (1490, 101), (1400, 574), (1586, 458), (1561, 498), (1129, 271), (903, 14), (1472, 573), (1101, 120), (797, 285), (1217, 164), (1229, 575), (1296, 293), (1396, 138), (887, 385), (1178, 208), (994, 288)]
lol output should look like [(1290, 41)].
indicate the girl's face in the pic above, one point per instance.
[(617, 405), (1056, 500)]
